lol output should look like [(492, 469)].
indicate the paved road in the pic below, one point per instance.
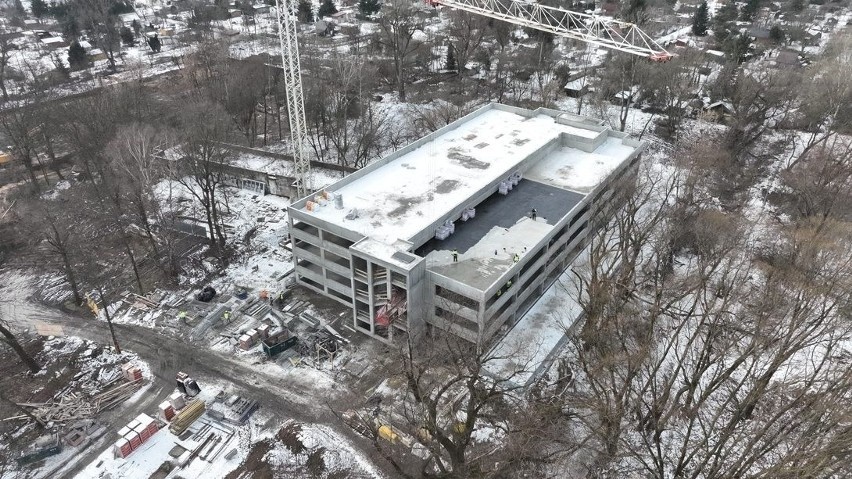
[(165, 356)]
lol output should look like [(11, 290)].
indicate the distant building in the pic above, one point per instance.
[(787, 59), (578, 85), (53, 42), (441, 233), (719, 111), (96, 55)]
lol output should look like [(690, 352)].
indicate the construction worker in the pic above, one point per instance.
[(226, 316), (509, 284), (499, 292), (516, 258), (182, 316), (455, 255), (534, 214)]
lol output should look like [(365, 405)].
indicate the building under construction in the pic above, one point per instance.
[(464, 228)]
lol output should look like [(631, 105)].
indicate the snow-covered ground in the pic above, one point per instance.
[(94, 367), (285, 447)]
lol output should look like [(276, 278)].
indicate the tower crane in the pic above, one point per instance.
[(593, 29), (596, 30), (289, 45)]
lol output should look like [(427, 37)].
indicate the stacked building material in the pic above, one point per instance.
[(468, 213), (136, 433), (166, 411), (263, 330), (445, 230), (122, 448), (131, 436), (131, 372), (145, 426), (185, 418), (246, 342), (176, 400)]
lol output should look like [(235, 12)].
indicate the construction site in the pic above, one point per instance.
[(463, 229)]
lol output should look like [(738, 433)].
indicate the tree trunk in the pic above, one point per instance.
[(12, 341), (143, 215), (48, 143), (60, 246), (43, 170), (132, 258), (400, 75), (109, 323), (28, 164), (208, 212), (72, 279)]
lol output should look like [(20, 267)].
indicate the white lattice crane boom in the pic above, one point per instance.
[(295, 100), (596, 30), (593, 29)]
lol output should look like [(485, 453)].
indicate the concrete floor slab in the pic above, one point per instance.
[(550, 202)]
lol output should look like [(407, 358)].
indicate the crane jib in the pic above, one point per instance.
[(593, 29)]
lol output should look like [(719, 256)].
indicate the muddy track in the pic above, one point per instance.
[(166, 355)]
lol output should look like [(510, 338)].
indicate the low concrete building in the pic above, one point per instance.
[(462, 229)]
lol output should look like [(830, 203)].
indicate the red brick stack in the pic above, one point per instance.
[(131, 372), (136, 433), (167, 411)]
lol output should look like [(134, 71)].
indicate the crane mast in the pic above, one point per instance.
[(596, 30), (295, 100)]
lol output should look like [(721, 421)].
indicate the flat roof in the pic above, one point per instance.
[(501, 228), (577, 170), (401, 197), (551, 204), (493, 255)]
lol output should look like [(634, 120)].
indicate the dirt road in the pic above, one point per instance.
[(165, 356)]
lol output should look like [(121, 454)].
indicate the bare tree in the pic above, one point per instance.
[(57, 224), (6, 48), (339, 107), (398, 23), (670, 86), (134, 153), (466, 33), (824, 101), (97, 16), (12, 341), (20, 126), (687, 365), (201, 162), (450, 394)]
